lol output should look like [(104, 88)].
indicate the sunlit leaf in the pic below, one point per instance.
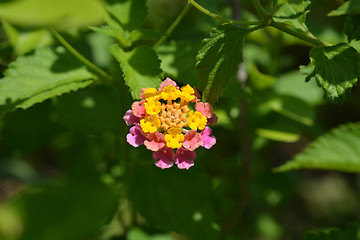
[(293, 12), (335, 69), (55, 13), (131, 14), (349, 7), (141, 68), (45, 74), (337, 150), (218, 60)]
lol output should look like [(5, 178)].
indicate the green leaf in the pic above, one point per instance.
[(352, 27), (292, 84), (34, 78), (218, 60), (131, 14), (185, 207), (337, 150), (56, 13), (178, 59), (141, 68), (293, 12), (24, 41), (349, 7), (335, 69)]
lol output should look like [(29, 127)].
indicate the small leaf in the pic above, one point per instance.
[(337, 150), (186, 208), (218, 60), (43, 75), (335, 68), (293, 12), (352, 27), (349, 7), (130, 13), (141, 68)]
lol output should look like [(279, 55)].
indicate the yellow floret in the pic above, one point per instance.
[(187, 93), (150, 124), (174, 138), (170, 93), (152, 107), (196, 120), (150, 92)]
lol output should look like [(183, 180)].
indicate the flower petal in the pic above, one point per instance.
[(208, 141), (167, 82), (165, 156), (192, 140), (184, 158), (136, 137), (130, 118)]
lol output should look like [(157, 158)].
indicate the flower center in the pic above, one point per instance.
[(173, 116)]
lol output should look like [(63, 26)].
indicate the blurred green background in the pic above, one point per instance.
[(67, 172)]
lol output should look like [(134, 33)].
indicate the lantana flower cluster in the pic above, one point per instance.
[(164, 122)]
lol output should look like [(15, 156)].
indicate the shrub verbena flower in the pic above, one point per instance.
[(164, 122)]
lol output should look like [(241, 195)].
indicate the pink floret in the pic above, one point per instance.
[(205, 108), (184, 158), (165, 156), (213, 120), (136, 137), (138, 108), (167, 82), (130, 118), (208, 141), (155, 141), (192, 140)]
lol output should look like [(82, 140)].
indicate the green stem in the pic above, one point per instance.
[(79, 56), (260, 10), (173, 26), (213, 15), (297, 34)]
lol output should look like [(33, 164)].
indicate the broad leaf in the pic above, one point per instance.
[(24, 41), (55, 13), (335, 69), (337, 150), (218, 60), (349, 7), (45, 74), (141, 68), (293, 12), (352, 27), (174, 201)]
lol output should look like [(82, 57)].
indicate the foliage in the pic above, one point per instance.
[(281, 76)]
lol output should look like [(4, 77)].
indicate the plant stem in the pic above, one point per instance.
[(300, 35), (173, 26), (213, 15), (260, 10), (78, 55)]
